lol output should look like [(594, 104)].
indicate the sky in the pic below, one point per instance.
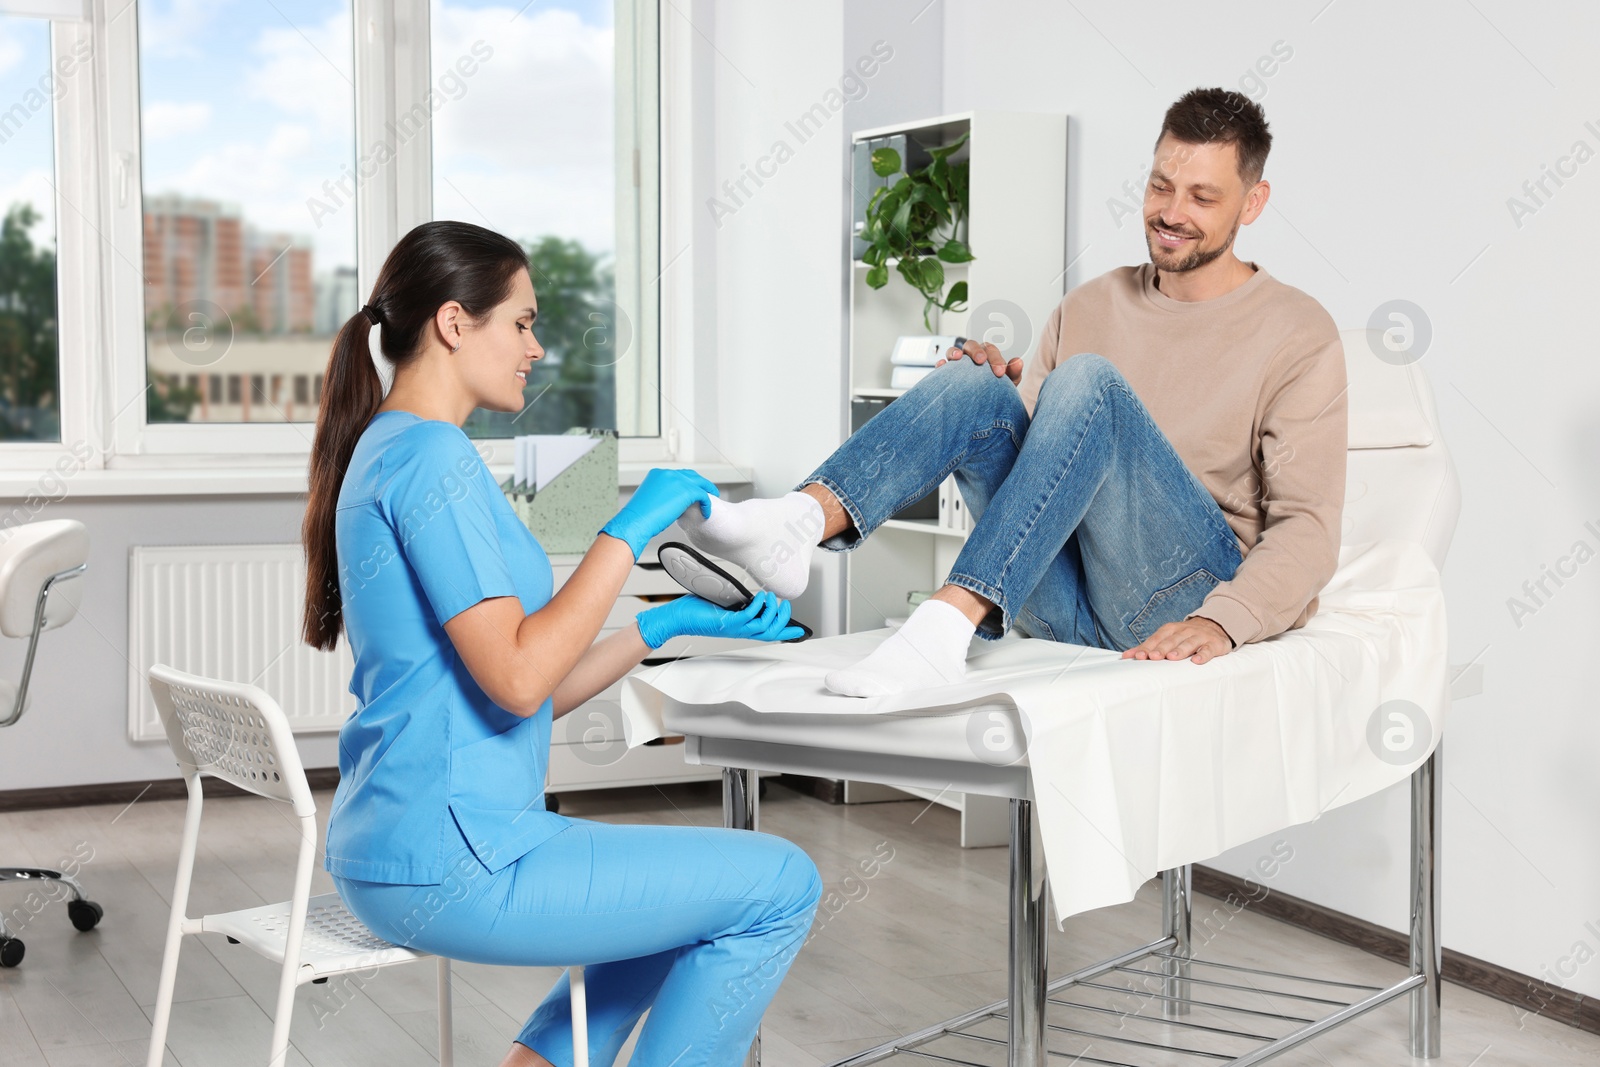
[(252, 104), (26, 169)]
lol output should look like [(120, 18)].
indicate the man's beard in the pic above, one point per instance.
[(1195, 259)]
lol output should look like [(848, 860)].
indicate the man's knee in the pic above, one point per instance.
[(976, 385), (1085, 374)]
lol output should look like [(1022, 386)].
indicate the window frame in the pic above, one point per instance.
[(102, 346)]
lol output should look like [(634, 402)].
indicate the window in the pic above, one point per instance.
[(217, 225), (537, 113), (29, 337), (247, 115)]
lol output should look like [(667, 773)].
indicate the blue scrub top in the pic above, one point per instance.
[(428, 760)]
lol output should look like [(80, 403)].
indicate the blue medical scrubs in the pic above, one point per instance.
[(438, 837)]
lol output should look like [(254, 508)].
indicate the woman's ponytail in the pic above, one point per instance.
[(433, 264), (351, 393)]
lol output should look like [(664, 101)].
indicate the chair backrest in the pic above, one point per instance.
[(29, 554), (233, 731), (1400, 479)]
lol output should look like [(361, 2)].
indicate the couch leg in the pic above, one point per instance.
[(1030, 943), (1177, 906), (1426, 951)]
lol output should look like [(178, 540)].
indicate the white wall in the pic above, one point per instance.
[(780, 251), (75, 731), (1400, 132)]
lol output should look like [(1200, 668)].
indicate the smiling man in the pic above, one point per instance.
[(1164, 477)]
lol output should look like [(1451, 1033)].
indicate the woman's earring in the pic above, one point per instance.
[(456, 349)]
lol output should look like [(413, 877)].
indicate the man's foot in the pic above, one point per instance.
[(771, 539), (930, 649)]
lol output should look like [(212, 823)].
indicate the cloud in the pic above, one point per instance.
[(10, 51), (269, 182), (179, 30), (531, 142), (570, 203), (164, 118), (33, 186), (308, 71)]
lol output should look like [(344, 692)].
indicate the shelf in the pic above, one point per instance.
[(923, 526), (946, 127), (892, 261), (888, 393)]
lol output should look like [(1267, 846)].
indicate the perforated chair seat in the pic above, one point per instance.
[(334, 942)]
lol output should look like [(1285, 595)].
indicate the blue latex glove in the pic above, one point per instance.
[(662, 497), (765, 619)]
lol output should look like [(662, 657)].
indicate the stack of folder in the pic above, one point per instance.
[(914, 358)]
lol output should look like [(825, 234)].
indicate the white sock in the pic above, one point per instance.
[(929, 649), (771, 539)]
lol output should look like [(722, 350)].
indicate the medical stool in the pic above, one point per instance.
[(238, 733), (40, 563)]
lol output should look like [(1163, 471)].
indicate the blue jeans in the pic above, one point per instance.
[(697, 924), (1089, 528)]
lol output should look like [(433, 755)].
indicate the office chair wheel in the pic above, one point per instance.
[(11, 951), (552, 802), (85, 914)]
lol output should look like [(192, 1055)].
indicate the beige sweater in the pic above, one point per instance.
[(1249, 387)]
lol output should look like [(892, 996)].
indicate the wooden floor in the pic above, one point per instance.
[(921, 941)]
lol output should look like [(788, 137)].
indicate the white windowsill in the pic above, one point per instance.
[(250, 481)]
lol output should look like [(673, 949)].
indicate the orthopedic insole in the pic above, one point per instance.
[(696, 573)]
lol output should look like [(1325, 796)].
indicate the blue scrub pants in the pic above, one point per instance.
[(697, 924)]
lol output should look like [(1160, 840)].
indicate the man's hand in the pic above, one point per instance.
[(983, 352), (1197, 638)]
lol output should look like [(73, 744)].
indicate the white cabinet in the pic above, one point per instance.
[(1016, 228)]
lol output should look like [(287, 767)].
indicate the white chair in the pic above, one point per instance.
[(238, 733), (40, 567)]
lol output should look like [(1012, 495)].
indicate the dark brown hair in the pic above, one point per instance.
[(1222, 116), (433, 264)]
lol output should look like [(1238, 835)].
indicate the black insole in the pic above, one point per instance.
[(699, 575)]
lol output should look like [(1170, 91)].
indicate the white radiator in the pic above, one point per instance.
[(232, 612)]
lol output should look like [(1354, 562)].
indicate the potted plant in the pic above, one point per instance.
[(919, 221)]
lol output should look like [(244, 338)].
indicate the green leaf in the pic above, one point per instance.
[(957, 295), (885, 161), (930, 195), (878, 277), (901, 224), (889, 204), (911, 270), (945, 151), (932, 274), (955, 251)]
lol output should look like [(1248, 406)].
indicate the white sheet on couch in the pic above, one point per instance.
[(1136, 765)]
